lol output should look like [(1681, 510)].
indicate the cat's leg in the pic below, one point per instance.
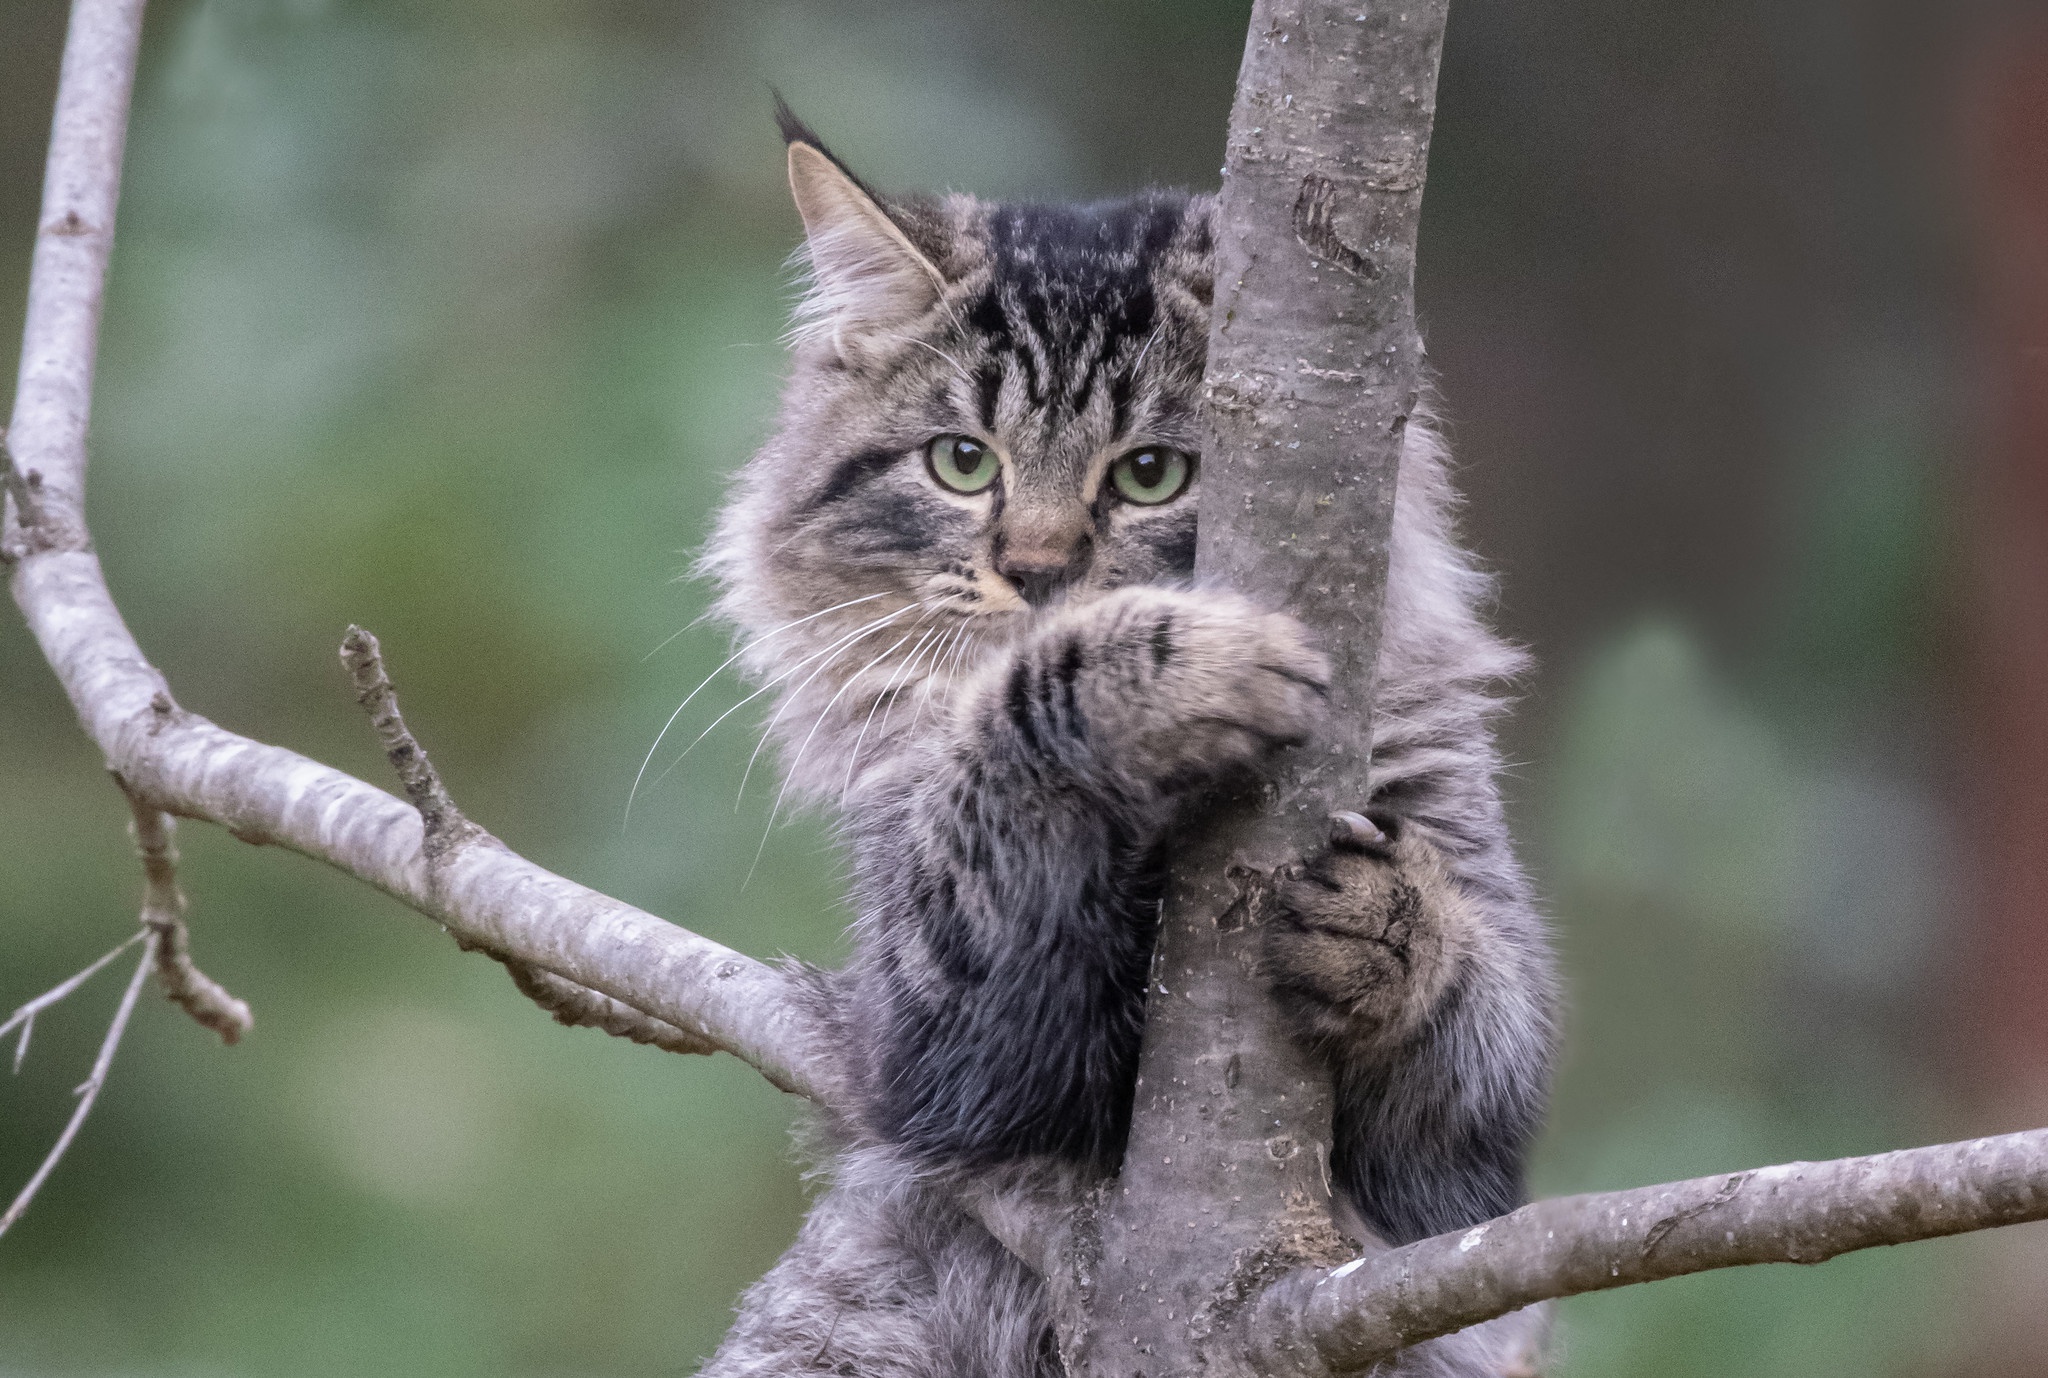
[(1429, 1001), (1009, 869), (1144, 694)]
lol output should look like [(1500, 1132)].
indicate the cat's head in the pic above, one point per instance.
[(991, 408)]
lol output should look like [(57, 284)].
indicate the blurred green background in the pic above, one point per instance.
[(450, 318)]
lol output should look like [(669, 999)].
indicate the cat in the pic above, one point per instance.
[(963, 564)]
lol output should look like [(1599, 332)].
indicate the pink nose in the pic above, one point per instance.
[(1038, 571)]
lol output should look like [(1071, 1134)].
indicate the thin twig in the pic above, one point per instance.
[(90, 1090), (447, 830), (26, 1015), (446, 827), (163, 913)]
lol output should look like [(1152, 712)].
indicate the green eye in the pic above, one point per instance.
[(960, 464), (1151, 476)]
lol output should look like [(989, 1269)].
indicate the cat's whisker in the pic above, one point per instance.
[(949, 665), (665, 641), (925, 695), (888, 693), (848, 639), (958, 367), (1139, 362), (796, 693), (896, 697), (789, 774), (923, 690), (971, 646), (760, 640)]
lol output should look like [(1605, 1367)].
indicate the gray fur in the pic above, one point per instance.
[(1007, 751)]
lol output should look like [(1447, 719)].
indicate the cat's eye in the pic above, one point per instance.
[(961, 465), (1151, 476)]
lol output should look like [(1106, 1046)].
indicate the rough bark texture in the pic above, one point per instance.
[(1793, 1213), (1226, 1178)]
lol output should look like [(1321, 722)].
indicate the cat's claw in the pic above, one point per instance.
[(1354, 832)]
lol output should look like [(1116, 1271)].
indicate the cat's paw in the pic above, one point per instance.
[(1175, 689), (1365, 936)]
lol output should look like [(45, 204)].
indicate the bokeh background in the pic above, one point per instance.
[(450, 318)]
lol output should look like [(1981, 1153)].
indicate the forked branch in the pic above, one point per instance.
[(447, 829), (89, 1090), (178, 763)]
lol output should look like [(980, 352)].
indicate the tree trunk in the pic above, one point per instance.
[(1313, 364)]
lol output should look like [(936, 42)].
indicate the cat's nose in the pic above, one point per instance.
[(1039, 572), (1037, 586)]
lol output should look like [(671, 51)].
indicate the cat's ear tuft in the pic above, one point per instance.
[(866, 275)]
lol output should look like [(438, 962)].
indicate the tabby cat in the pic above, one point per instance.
[(963, 564)]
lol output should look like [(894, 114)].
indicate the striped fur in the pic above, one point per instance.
[(1007, 750)]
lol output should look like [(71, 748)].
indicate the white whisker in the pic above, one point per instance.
[(972, 647), (847, 639), (1139, 362), (888, 693), (958, 367), (895, 698), (795, 693), (789, 774), (952, 663), (763, 639), (925, 690)]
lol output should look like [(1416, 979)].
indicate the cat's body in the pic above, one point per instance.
[(963, 562)]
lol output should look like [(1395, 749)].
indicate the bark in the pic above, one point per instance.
[(1313, 363), (178, 762), (1175, 1268), (1794, 1213)]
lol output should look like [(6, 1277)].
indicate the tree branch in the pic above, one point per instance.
[(1356, 1315), (447, 829), (1313, 367), (89, 1090), (163, 913), (24, 1018), (180, 763)]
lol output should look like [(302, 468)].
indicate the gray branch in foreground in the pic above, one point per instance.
[(180, 763), (1362, 1312), (448, 830)]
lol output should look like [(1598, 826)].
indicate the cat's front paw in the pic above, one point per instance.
[(1176, 689), (1365, 937)]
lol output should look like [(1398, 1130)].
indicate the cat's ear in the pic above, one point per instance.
[(866, 275)]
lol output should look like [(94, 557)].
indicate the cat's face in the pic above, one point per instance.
[(992, 408)]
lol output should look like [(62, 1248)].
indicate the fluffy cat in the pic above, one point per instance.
[(962, 562)]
